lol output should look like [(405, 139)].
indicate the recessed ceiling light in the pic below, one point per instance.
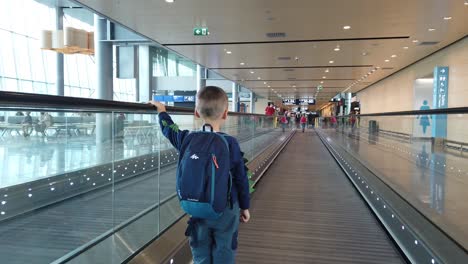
[(294, 85), (229, 52), (259, 78), (431, 29), (264, 82), (405, 47), (337, 48), (466, 2), (324, 77), (331, 61), (387, 60), (394, 56), (321, 82), (170, 1), (415, 41), (252, 72), (327, 70), (364, 53), (269, 86), (447, 18), (347, 27), (242, 63)]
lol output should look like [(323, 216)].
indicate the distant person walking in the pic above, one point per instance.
[(298, 119), (27, 124), (303, 122), (275, 119), (333, 122), (310, 119), (45, 121), (270, 110), (284, 121), (352, 120)]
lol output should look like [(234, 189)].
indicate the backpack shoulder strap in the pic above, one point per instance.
[(224, 136)]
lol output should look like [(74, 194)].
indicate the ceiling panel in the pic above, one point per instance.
[(311, 53), (380, 31), (291, 73)]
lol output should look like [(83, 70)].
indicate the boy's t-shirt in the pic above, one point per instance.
[(240, 183)]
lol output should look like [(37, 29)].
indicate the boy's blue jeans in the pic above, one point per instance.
[(215, 241)]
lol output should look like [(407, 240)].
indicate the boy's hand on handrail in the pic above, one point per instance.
[(159, 106)]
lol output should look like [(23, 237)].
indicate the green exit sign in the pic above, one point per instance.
[(201, 31), (320, 87)]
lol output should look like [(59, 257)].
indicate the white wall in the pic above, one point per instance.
[(396, 93), (260, 105), (175, 83), (226, 85)]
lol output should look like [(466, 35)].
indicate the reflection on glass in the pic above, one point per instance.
[(108, 175), (424, 119), (89, 176), (428, 171)]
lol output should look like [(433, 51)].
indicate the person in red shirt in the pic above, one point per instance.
[(284, 121), (269, 110), (303, 121)]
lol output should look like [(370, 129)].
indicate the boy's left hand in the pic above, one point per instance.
[(159, 106), (244, 216)]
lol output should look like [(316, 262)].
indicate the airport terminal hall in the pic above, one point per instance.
[(233, 131)]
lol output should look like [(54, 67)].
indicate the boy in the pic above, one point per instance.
[(214, 241)]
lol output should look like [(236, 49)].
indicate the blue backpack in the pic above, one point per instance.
[(203, 176)]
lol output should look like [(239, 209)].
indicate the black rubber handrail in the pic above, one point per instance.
[(28, 101), (449, 111)]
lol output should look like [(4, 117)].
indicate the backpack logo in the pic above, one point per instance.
[(194, 157)]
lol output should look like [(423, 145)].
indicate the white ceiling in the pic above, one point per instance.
[(314, 28)]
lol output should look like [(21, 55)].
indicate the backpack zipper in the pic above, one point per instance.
[(215, 161)]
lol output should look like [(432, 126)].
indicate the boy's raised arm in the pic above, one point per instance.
[(170, 130)]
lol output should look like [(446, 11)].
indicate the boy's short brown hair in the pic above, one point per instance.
[(212, 101)]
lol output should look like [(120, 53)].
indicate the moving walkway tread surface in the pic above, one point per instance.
[(306, 211)]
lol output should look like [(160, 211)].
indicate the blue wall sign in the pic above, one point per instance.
[(441, 81)]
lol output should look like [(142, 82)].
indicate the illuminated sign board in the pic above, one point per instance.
[(289, 102), (308, 101)]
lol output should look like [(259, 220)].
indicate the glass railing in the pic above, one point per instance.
[(90, 181), (422, 156)]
